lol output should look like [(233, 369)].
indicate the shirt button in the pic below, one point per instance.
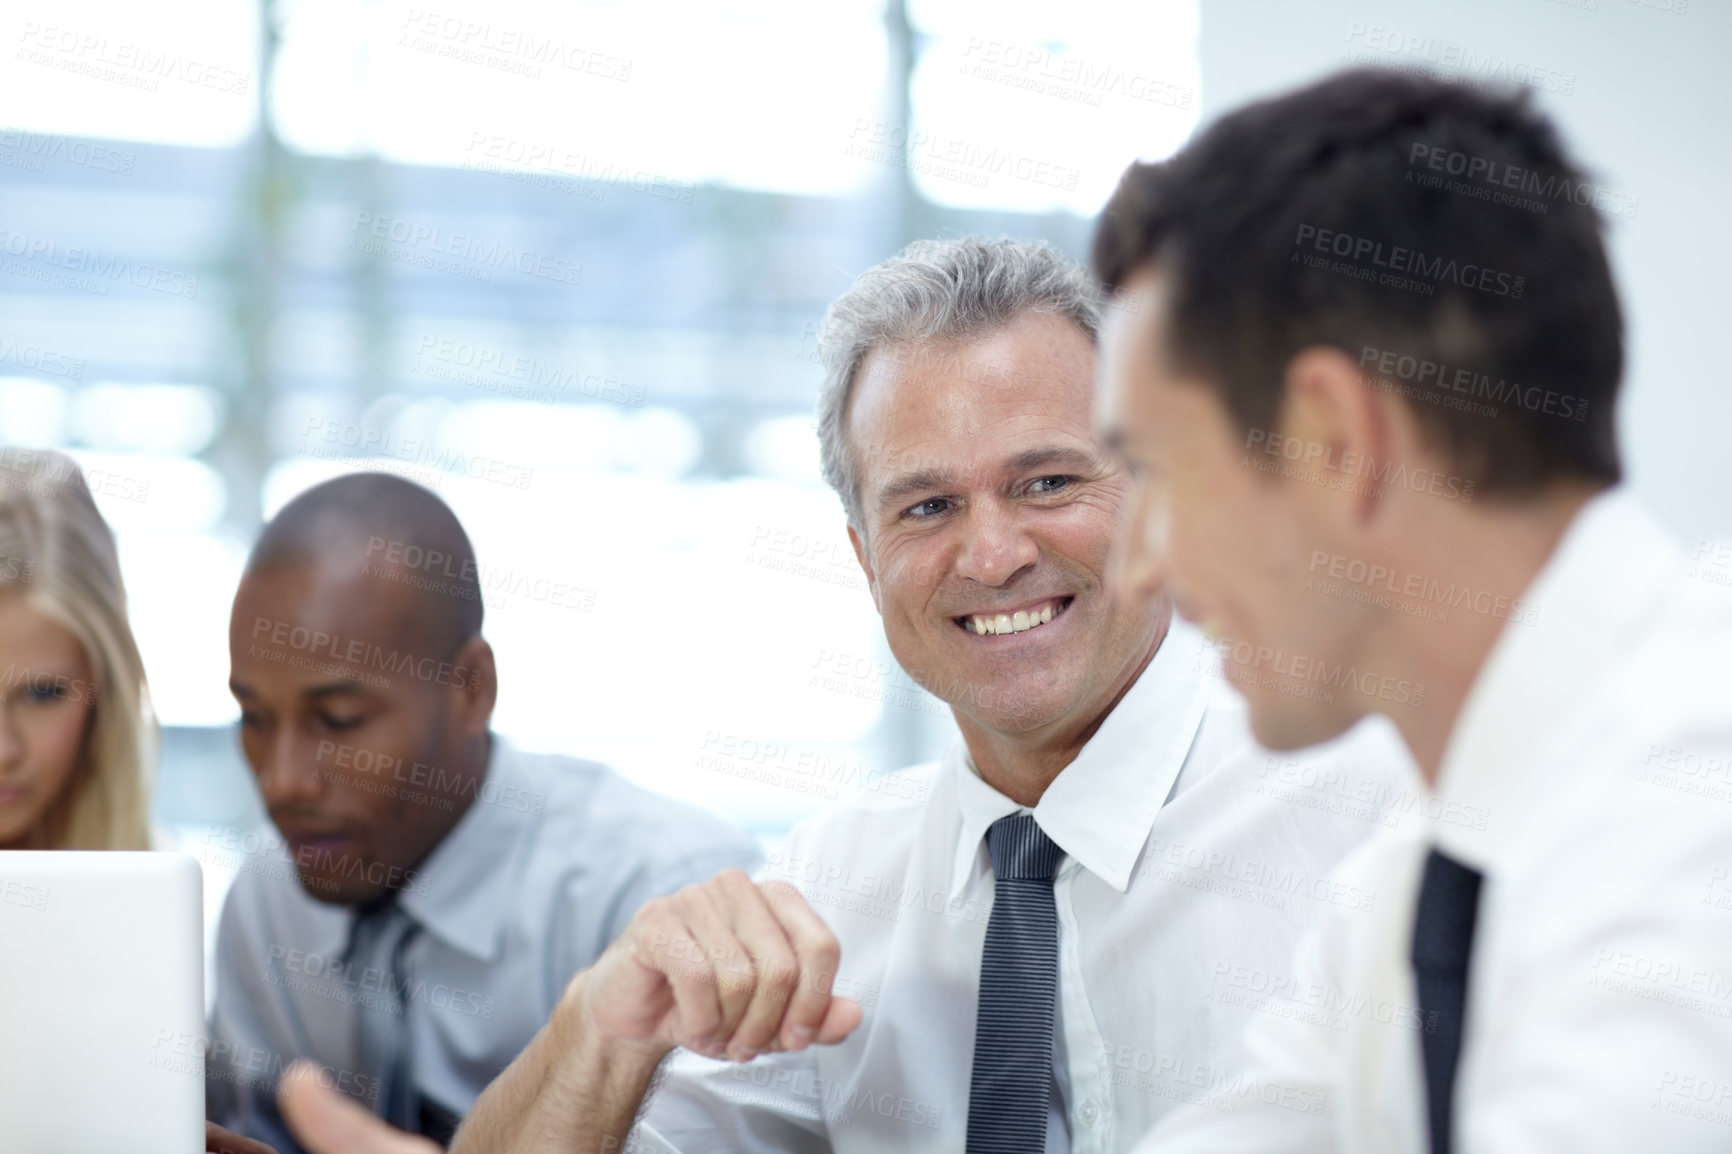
[(1090, 1113)]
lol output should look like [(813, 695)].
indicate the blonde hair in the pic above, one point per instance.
[(59, 554)]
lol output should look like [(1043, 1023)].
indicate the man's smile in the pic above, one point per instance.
[(1021, 619)]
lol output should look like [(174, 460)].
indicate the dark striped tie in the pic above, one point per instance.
[(1442, 943), (378, 940), (1012, 1082)]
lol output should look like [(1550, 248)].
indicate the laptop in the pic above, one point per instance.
[(101, 1003)]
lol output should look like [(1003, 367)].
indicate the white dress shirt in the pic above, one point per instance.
[(1597, 743), (1193, 860), (543, 871)]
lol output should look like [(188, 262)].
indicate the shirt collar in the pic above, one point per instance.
[(1591, 599), (1101, 806), (463, 890)]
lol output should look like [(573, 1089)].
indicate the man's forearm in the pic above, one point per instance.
[(571, 1090)]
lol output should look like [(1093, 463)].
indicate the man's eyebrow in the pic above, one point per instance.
[(919, 481), (1054, 455), (928, 479), (333, 689)]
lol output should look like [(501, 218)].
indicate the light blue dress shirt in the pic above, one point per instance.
[(543, 871)]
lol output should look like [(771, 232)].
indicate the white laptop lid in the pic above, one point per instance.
[(101, 1003)]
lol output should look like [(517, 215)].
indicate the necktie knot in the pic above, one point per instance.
[(379, 935), (1020, 849)]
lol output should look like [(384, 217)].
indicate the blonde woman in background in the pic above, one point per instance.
[(78, 738)]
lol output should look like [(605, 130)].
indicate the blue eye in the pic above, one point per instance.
[(929, 505), (1057, 483), (47, 691)]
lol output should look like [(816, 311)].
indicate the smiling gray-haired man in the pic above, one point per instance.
[(1051, 940)]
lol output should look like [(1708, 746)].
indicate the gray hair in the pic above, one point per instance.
[(936, 290)]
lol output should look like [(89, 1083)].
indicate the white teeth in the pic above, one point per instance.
[(1019, 622)]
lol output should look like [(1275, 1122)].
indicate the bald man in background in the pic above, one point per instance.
[(432, 890)]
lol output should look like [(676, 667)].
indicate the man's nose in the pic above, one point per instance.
[(290, 773), (996, 546), (1137, 569)]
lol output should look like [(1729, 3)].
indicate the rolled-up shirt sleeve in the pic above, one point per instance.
[(773, 1104)]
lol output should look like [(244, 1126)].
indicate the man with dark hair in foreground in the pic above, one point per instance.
[(1370, 410), (435, 888)]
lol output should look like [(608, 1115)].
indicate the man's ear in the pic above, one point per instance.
[(477, 687), (860, 555), (1332, 412)]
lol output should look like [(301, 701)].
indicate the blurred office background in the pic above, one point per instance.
[(563, 263)]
